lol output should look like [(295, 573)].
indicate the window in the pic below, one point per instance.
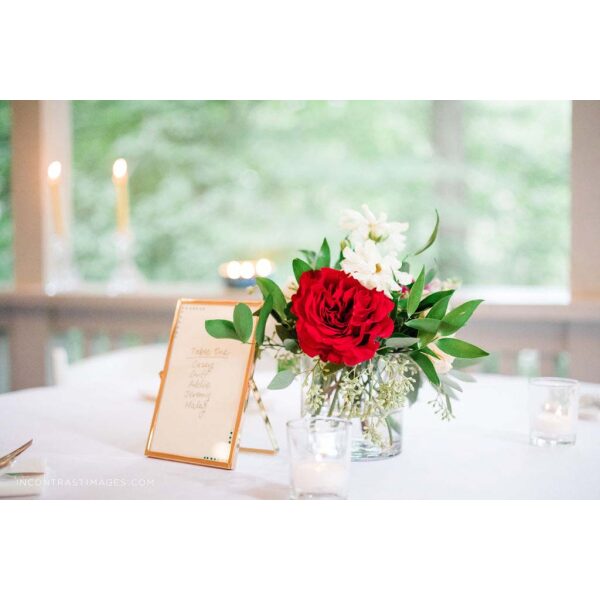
[(213, 181), (6, 254)]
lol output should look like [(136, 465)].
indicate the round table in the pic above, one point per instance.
[(93, 437)]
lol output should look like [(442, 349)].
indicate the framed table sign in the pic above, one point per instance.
[(203, 390)]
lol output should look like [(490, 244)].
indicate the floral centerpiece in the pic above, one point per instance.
[(361, 332)]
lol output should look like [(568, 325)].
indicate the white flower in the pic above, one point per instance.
[(376, 272), (435, 285), (367, 226), (290, 288), (443, 363)]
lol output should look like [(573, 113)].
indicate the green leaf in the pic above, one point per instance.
[(242, 321), (324, 258), (462, 375), (310, 255), (432, 237), (460, 349), (300, 267), (405, 267), (415, 293), (448, 381), (394, 312), (465, 363), (429, 352), (221, 329), (282, 380), (331, 368), (263, 315), (428, 325), (438, 310), (291, 345), (432, 298), (430, 275), (457, 318), (425, 338), (400, 342), (269, 288), (426, 366)]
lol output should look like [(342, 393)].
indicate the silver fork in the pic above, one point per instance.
[(6, 460)]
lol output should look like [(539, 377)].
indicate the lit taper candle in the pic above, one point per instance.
[(121, 188), (54, 172)]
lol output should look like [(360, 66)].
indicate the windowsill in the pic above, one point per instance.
[(517, 295), (501, 304)]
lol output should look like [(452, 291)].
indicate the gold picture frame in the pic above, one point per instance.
[(244, 353)]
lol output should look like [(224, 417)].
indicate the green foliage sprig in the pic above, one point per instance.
[(423, 326)]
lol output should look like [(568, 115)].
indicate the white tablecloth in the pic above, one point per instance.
[(93, 440)]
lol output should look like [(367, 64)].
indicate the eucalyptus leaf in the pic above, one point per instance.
[(400, 342), (221, 329), (242, 321), (415, 294), (282, 380), (291, 345), (299, 266), (460, 348)]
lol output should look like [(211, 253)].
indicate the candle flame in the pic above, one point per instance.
[(120, 168), (264, 267), (233, 269), (54, 170), (247, 270)]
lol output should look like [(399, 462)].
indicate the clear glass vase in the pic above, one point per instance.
[(388, 442), (371, 395)]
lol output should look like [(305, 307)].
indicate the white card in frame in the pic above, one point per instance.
[(203, 391)]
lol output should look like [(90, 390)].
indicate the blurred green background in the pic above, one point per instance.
[(220, 180)]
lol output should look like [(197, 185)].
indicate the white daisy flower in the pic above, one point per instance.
[(367, 226), (376, 272)]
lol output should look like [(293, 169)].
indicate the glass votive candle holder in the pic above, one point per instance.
[(319, 453), (553, 405)]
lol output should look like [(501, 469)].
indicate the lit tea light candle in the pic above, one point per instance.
[(247, 270), (120, 180), (552, 422), (244, 273), (54, 177), (264, 267), (323, 478)]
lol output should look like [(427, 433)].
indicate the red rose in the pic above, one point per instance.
[(340, 320)]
